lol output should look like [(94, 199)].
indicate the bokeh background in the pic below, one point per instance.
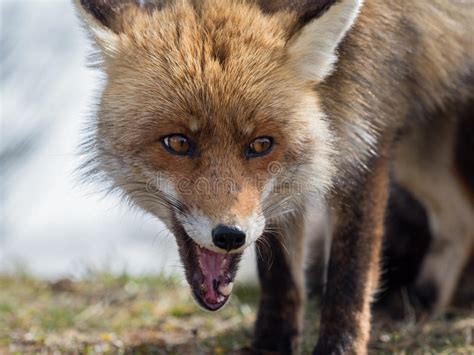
[(51, 224)]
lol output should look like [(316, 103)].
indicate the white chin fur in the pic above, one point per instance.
[(199, 228)]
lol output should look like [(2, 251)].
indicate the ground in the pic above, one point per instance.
[(123, 314)]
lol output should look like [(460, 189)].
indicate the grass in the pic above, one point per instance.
[(141, 315)]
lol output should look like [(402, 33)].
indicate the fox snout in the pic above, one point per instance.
[(223, 234)]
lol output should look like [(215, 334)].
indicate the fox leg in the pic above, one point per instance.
[(447, 256), (280, 269), (354, 264), (425, 165)]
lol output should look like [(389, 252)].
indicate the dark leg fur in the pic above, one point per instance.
[(281, 305), (406, 241), (353, 266)]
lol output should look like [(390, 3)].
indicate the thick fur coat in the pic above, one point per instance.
[(280, 110)]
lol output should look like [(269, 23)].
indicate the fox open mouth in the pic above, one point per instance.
[(210, 274)]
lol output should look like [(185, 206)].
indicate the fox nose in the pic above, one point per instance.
[(228, 237)]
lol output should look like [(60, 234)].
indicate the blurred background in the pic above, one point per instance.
[(52, 225)]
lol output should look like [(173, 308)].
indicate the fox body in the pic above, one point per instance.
[(236, 121)]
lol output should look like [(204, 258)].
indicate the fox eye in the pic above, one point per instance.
[(259, 147), (177, 144)]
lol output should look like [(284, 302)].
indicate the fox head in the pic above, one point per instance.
[(210, 119)]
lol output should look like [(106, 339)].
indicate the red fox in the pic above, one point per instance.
[(236, 121)]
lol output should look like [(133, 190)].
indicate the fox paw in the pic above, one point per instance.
[(424, 298)]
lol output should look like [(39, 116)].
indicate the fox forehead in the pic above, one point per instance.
[(212, 31), (187, 65)]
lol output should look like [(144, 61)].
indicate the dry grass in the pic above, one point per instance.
[(106, 314)]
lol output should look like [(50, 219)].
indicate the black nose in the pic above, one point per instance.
[(228, 237)]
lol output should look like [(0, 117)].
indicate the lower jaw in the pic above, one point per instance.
[(212, 307)]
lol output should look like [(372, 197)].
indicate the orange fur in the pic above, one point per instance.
[(333, 87)]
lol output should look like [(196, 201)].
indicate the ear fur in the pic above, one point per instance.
[(104, 19), (312, 53)]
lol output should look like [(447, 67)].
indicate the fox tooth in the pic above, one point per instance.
[(226, 290)]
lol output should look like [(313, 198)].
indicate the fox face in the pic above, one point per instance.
[(209, 120)]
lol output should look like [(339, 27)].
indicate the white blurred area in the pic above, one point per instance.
[(50, 223)]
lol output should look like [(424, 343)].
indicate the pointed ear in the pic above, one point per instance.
[(104, 18), (312, 52)]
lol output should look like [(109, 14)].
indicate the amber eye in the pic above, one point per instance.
[(177, 144), (259, 147)]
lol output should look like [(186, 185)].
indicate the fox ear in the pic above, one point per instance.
[(105, 19), (312, 52)]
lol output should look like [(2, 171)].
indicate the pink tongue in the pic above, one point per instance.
[(212, 266)]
